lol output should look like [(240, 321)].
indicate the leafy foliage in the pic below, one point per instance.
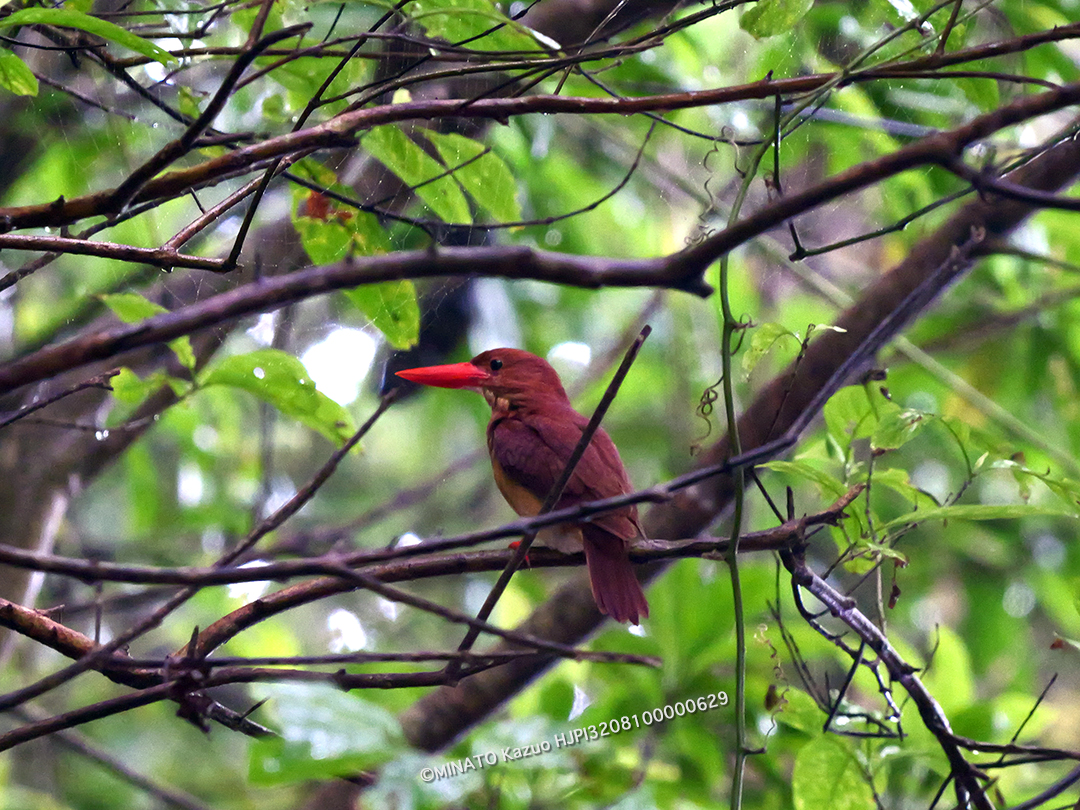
[(282, 380), (73, 18)]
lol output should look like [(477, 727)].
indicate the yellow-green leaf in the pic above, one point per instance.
[(130, 390), (1011, 511), (485, 176), (767, 18), (392, 308), (70, 18), (826, 774), (395, 150), (16, 76), (281, 380)]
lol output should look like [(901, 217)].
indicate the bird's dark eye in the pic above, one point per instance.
[(496, 364)]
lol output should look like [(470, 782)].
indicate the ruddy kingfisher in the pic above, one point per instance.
[(531, 435)]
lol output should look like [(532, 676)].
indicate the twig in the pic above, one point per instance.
[(938, 148), (1056, 789), (100, 654), (101, 381), (984, 182), (966, 775), (126, 191), (404, 563), (602, 656), (307, 492), (164, 257), (78, 743)]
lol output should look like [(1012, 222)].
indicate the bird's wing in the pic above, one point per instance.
[(532, 449)]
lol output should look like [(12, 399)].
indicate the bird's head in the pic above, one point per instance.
[(509, 374)]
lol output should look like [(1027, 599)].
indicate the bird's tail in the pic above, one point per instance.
[(615, 588)]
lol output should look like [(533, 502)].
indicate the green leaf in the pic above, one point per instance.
[(461, 20), (486, 177), (827, 774), (898, 481), (799, 711), (369, 238), (392, 308), (830, 484), (187, 101), (846, 413), (281, 380), (325, 241), (978, 512), (395, 150), (316, 172), (181, 347), (854, 412), (768, 18), (16, 76), (130, 390), (324, 733), (70, 18), (763, 337), (132, 308), (983, 93), (896, 428)]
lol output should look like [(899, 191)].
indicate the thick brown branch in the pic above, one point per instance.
[(509, 262), (341, 130), (163, 257), (119, 668), (941, 149), (402, 565), (680, 271)]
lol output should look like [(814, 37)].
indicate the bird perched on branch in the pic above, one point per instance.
[(532, 433)]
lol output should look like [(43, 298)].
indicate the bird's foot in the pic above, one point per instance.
[(514, 546)]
